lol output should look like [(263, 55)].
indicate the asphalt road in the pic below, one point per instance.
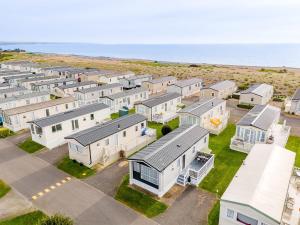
[(53, 191)]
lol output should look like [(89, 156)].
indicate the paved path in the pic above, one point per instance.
[(52, 190)]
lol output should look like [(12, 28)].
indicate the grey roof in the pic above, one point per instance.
[(40, 105), (54, 81), (296, 95), (24, 96), (13, 89), (24, 76), (91, 135), (203, 106), (162, 79), (39, 78), (154, 101), (4, 85), (188, 82), (260, 116), (138, 77), (126, 93), (8, 74), (78, 84), (222, 85), (167, 149), (54, 119), (257, 89), (100, 88)]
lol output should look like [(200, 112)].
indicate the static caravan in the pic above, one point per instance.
[(209, 113), (5, 75), (25, 99), (51, 131), (111, 77), (257, 94), (260, 125), (51, 84), (263, 191), (159, 85), (293, 105), (222, 89), (179, 157), (108, 142), (15, 80), (125, 99), (17, 119), (186, 88), (14, 91), (160, 109), (4, 86), (69, 90), (92, 95), (134, 81), (27, 83)]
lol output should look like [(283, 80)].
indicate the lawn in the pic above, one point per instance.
[(173, 124), (293, 144), (139, 201), (116, 115), (74, 168), (30, 146), (227, 163), (4, 188), (32, 218)]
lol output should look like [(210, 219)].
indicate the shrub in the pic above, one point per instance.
[(4, 132), (57, 219), (245, 106), (166, 129)]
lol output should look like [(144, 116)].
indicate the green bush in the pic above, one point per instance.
[(4, 132), (245, 106), (57, 219), (166, 129)]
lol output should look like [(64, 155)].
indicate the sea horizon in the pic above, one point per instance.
[(239, 54)]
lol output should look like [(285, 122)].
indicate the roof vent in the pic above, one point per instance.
[(178, 145), (119, 126), (212, 103)]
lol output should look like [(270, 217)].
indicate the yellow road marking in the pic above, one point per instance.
[(52, 187), (40, 193), (58, 184), (34, 197), (68, 178), (63, 181), (47, 190)]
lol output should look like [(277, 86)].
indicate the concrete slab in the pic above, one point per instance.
[(9, 152), (39, 180), (18, 168), (71, 199), (54, 155)]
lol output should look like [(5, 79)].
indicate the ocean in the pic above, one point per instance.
[(273, 55)]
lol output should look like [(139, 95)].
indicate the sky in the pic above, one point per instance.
[(150, 21)]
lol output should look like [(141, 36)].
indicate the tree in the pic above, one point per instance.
[(166, 129), (57, 219)]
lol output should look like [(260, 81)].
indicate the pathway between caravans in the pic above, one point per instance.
[(53, 191)]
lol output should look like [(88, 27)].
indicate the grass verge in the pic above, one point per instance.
[(227, 163), (30, 146), (4, 188), (172, 123), (139, 201), (74, 168), (32, 218), (293, 144)]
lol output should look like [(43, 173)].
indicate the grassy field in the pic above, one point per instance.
[(32, 218), (227, 163), (139, 201), (116, 115), (293, 144), (4, 188), (30, 146), (284, 80), (74, 168), (173, 124)]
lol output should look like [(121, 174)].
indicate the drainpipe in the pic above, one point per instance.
[(90, 154)]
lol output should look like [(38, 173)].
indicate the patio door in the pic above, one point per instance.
[(183, 162)]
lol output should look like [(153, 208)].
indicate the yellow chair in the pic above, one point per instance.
[(215, 121)]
